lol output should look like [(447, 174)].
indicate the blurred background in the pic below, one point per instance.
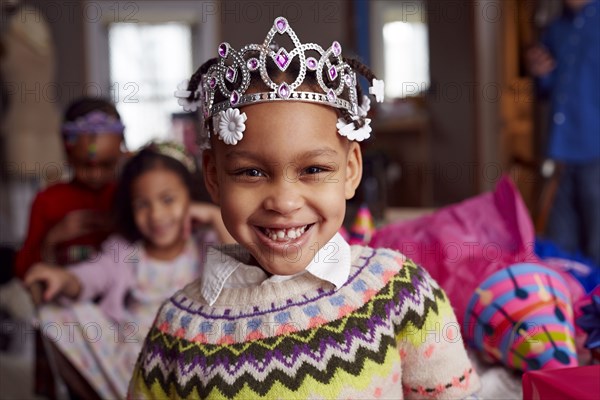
[(460, 108)]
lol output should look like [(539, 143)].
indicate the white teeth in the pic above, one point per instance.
[(285, 234)]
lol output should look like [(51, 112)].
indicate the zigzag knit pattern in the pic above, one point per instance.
[(388, 332)]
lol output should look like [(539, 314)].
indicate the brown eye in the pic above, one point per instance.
[(168, 200), (251, 172), (313, 170)]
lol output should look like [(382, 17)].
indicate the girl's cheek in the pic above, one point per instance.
[(183, 211)]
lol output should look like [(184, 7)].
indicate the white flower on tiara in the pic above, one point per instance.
[(364, 107), (231, 125), (349, 130), (182, 95), (377, 90)]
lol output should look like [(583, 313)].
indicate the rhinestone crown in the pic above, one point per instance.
[(223, 76)]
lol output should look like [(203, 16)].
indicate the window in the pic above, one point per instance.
[(400, 46), (406, 58), (147, 62), (137, 54)]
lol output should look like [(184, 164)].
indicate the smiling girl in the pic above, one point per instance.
[(153, 256), (293, 311)]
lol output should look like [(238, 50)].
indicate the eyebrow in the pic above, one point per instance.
[(323, 151), (166, 191)]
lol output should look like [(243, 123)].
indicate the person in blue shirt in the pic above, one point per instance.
[(566, 66)]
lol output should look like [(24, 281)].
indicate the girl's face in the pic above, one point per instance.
[(283, 188), (160, 202)]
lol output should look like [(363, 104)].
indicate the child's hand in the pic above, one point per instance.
[(57, 281), (539, 61), (74, 224), (207, 214)]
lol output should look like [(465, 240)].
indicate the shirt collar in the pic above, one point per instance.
[(331, 263), (221, 262)]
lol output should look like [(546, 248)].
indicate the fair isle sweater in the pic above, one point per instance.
[(388, 332)]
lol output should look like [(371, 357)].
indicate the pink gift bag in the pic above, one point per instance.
[(579, 383)]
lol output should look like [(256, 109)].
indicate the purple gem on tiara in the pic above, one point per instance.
[(281, 24), (348, 79), (283, 91), (234, 98), (332, 73), (212, 82), (230, 74), (223, 49), (282, 59), (337, 48), (331, 96), (311, 63), (252, 64)]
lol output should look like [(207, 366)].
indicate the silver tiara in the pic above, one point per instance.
[(223, 77)]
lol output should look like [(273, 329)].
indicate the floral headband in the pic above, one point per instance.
[(222, 77), (95, 122), (175, 151)]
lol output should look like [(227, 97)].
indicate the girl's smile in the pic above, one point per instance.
[(282, 189), (160, 204), (286, 241), (285, 234)]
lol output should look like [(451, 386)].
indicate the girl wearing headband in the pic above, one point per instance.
[(67, 222)]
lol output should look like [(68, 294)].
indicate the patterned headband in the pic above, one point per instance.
[(231, 78), (95, 122)]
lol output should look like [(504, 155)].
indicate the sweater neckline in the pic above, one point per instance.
[(303, 286)]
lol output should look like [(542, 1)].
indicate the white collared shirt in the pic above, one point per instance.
[(227, 267)]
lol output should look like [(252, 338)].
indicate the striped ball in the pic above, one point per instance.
[(522, 317)]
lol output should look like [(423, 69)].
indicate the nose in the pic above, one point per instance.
[(283, 197), (155, 212)]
